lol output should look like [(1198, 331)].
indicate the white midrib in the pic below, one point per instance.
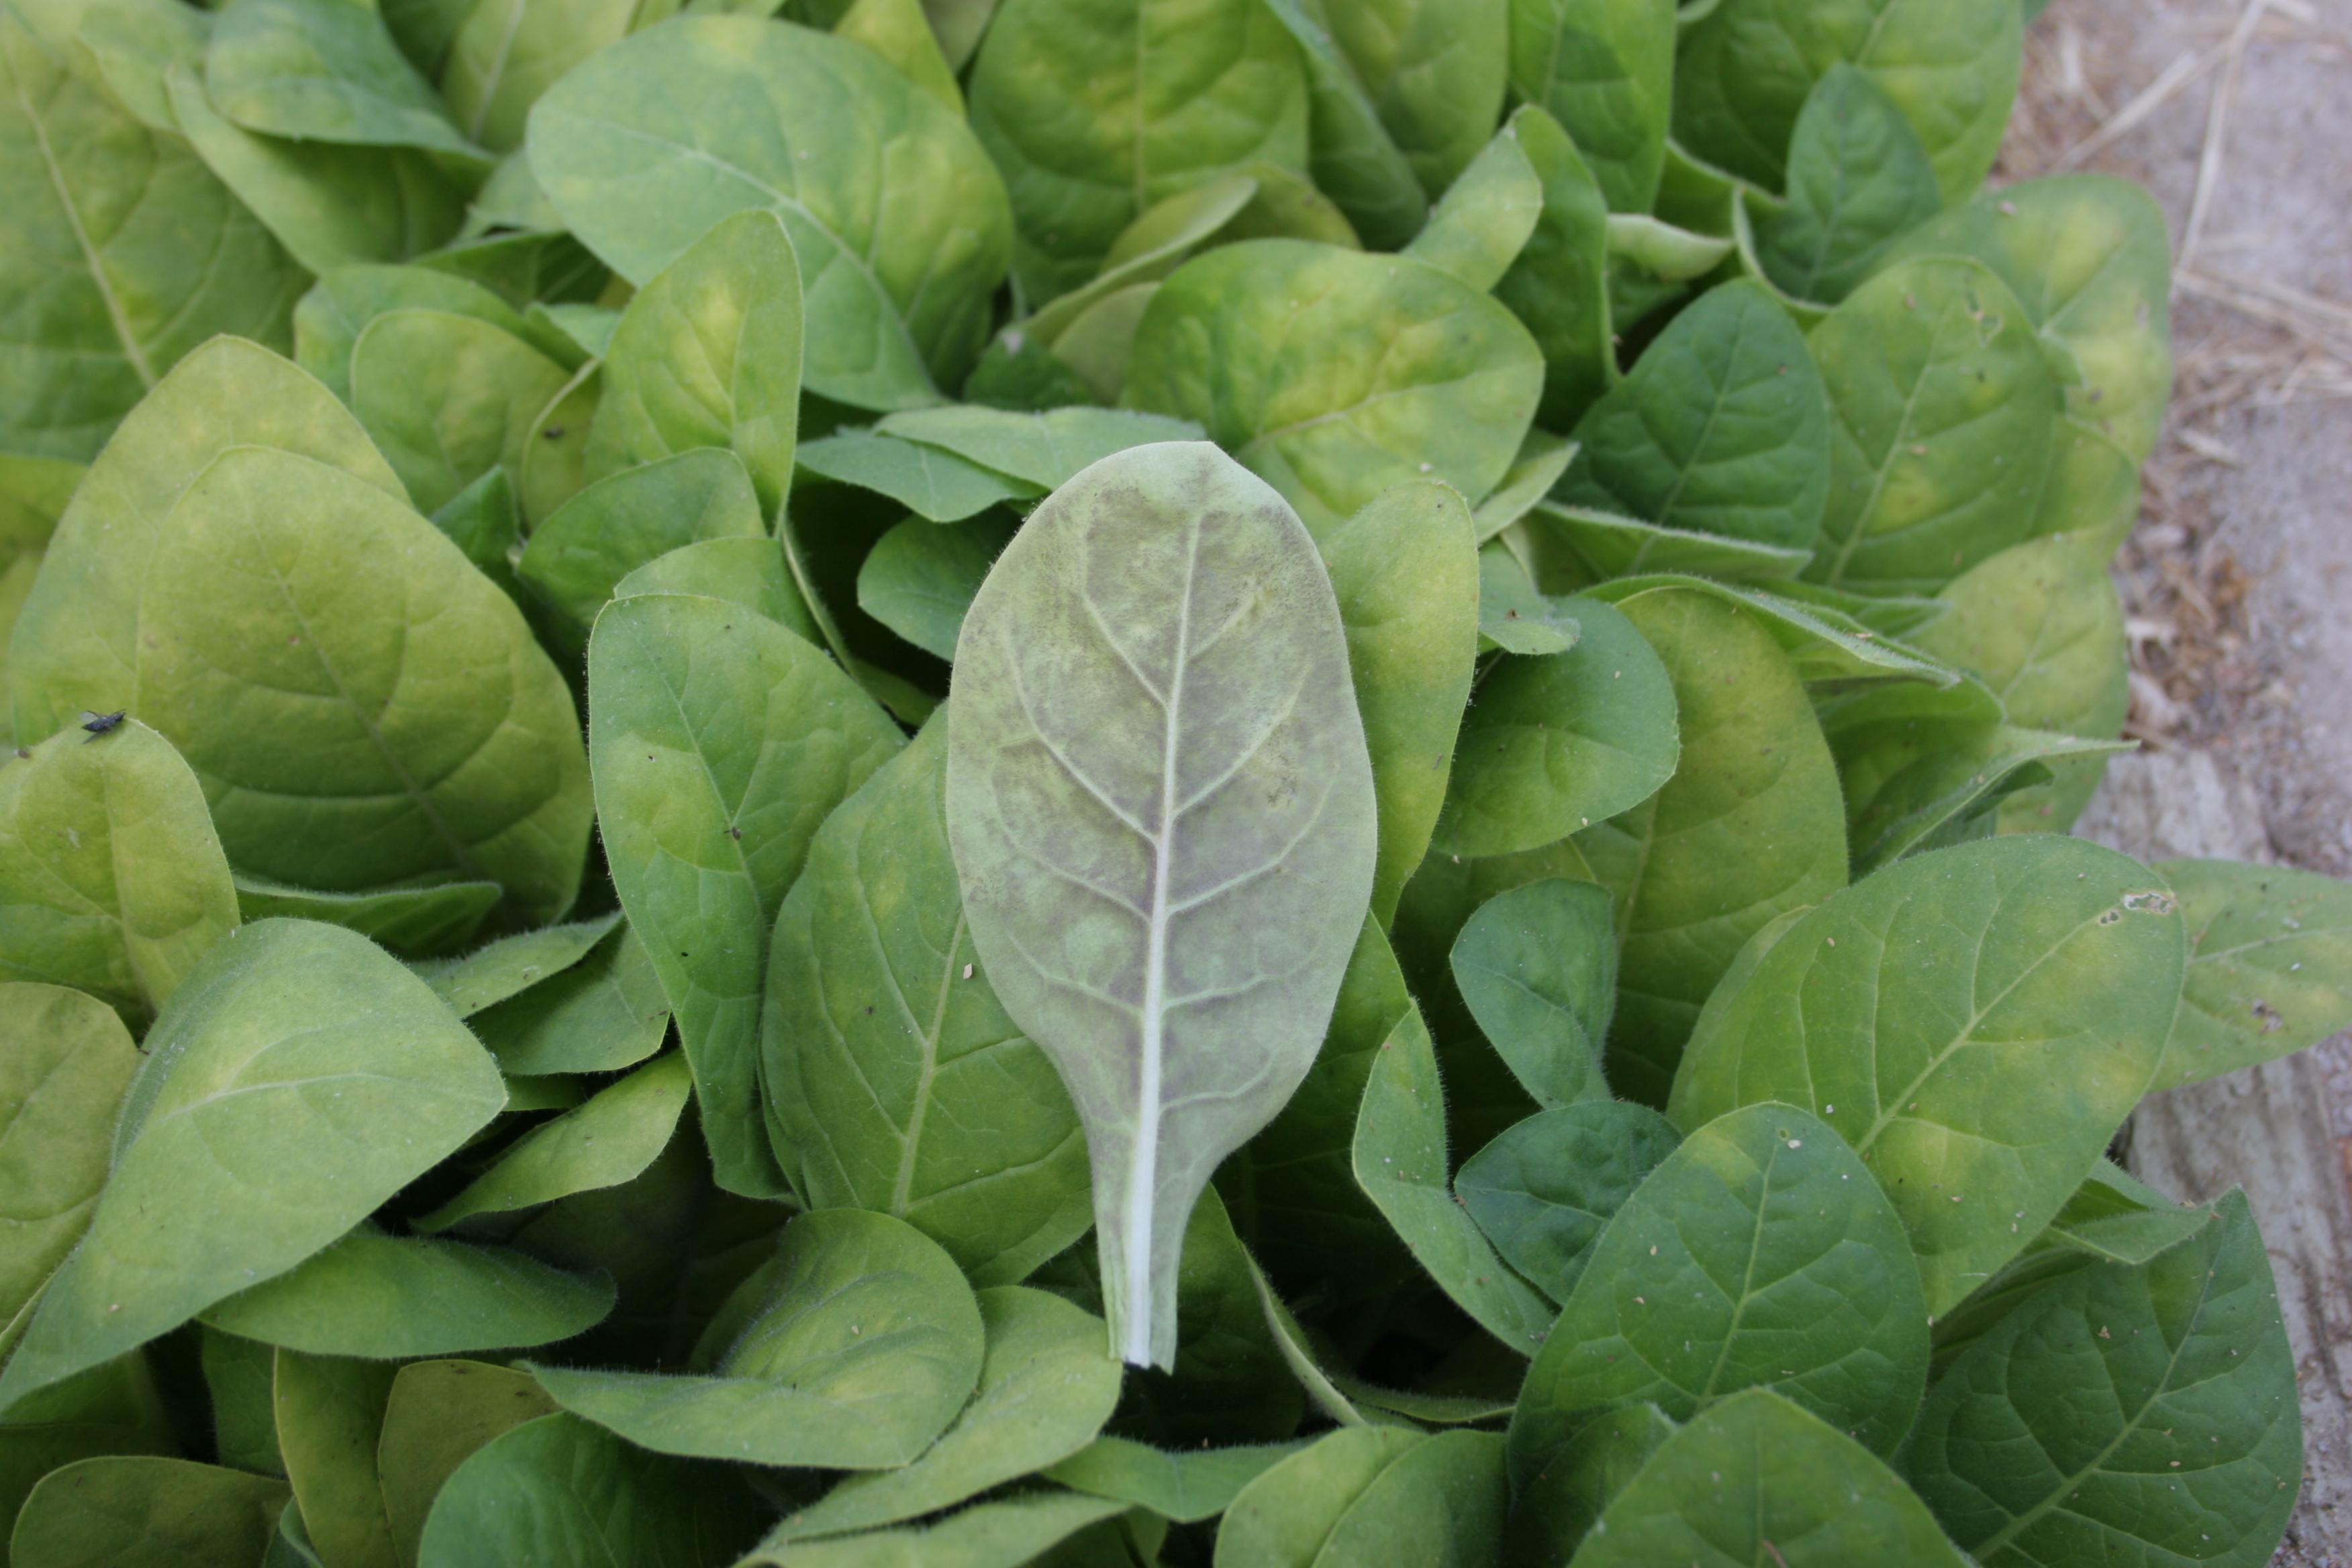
[(1143, 1174)]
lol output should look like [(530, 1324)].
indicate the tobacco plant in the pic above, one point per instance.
[(1094, 781)]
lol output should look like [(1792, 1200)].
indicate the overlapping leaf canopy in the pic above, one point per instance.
[(1418, 658)]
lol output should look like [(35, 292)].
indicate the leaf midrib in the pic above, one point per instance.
[(1962, 1036), (2130, 1425), (116, 318), (460, 852), (902, 1190)]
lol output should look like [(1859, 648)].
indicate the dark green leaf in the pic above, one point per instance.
[(1543, 1190), (2124, 1411), (1758, 1254)]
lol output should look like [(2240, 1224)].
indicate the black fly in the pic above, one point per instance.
[(100, 723)]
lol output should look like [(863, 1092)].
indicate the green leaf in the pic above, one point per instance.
[(241, 1376), (1483, 1096), (1836, 651), (447, 397), (138, 1511), (2089, 258), (1914, 785), (709, 355), (412, 923), (1757, 1255), (1980, 1093), (1757, 1479), (438, 1415), (1580, 545), (1660, 252), (1020, 374), (920, 579), (330, 1413), (1543, 459), (1294, 1184), (2042, 625), (1537, 967), (1543, 1190), (1745, 68), (111, 1409), (2122, 1409), (1007, 1533), (558, 1489), (1401, 1161), (1184, 1487), (77, 640), (123, 47), (111, 881), (503, 55), (329, 205), (651, 142), (1556, 744), (1046, 451), (589, 329), (485, 523), (580, 554), (1557, 286), (1336, 375), (1751, 825), (341, 305), (298, 1079), (926, 478), (1512, 616), (1162, 236), (1487, 214), (1352, 154), (34, 493), (1604, 69), (889, 1063), (899, 32), (1942, 403), (2117, 1219), (604, 1013), (317, 72), (68, 1063), (1094, 111), (104, 216), (1099, 818), (1361, 1494), (555, 464), (513, 964), (1554, 1508), (1435, 73), (1858, 180), (1045, 1389), (1406, 580), (2270, 966), (748, 736), (1721, 427), (388, 1297), (752, 573), (290, 601), (859, 1343), (1100, 343), (433, 1421), (606, 1140)]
